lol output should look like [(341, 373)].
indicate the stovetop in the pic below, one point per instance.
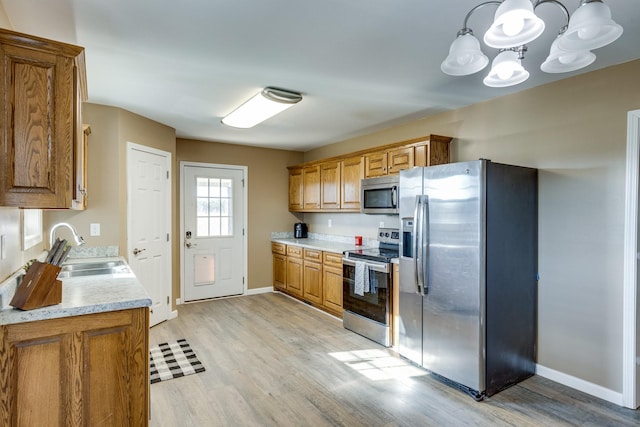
[(388, 249)]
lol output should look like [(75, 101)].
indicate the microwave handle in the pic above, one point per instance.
[(394, 196)]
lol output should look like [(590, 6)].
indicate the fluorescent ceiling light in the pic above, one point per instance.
[(265, 104)]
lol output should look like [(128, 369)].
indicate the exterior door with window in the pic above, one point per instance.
[(213, 235)]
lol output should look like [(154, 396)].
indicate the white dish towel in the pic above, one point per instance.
[(361, 281)]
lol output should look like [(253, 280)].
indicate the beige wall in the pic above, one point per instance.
[(111, 129), (268, 194), (574, 131)]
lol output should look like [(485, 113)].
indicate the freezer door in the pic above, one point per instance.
[(410, 301), (453, 307)]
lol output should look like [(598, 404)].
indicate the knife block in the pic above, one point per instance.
[(39, 287)]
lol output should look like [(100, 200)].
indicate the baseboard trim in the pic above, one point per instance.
[(580, 384), (256, 291), (173, 314)]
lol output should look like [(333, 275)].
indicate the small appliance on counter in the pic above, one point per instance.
[(300, 230)]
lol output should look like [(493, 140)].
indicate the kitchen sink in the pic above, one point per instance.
[(93, 269)]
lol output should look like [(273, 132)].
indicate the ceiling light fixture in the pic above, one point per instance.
[(515, 24), (265, 104)]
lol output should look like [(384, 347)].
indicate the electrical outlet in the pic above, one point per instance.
[(381, 224), (329, 223), (94, 229)]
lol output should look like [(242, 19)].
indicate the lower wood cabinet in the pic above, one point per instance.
[(332, 282), (312, 280), (90, 370), (294, 272), (310, 275), (279, 252)]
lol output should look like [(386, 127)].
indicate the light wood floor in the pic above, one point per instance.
[(272, 361)]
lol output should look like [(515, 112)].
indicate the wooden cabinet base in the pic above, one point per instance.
[(90, 370)]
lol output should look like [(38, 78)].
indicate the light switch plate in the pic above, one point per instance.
[(94, 229)]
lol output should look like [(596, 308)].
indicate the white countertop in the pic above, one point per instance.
[(86, 295), (319, 244)]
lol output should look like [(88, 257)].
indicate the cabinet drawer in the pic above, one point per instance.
[(332, 259), (278, 248), (313, 255), (294, 251)]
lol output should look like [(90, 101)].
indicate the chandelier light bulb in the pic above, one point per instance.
[(590, 27), (465, 56), (513, 26), (506, 70)]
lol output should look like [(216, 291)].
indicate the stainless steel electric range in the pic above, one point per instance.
[(366, 284)]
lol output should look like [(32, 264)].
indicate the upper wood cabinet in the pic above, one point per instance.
[(325, 187), (352, 173), (296, 194), (330, 185), (80, 177), (311, 187), (389, 162), (43, 85)]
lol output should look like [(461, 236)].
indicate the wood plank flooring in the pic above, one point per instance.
[(272, 361)]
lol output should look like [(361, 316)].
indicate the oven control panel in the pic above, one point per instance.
[(389, 235)]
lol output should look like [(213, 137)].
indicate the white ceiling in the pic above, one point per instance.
[(361, 65)]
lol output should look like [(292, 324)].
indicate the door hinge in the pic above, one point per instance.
[(167, 237), (243, 280), (242, 182), (168, 300), (167, 174)]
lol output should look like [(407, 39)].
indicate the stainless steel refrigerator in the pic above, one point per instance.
[(468, 273)]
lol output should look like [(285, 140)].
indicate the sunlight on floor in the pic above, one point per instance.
[(378, 364)]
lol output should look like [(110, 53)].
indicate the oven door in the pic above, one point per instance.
[(374, 303)]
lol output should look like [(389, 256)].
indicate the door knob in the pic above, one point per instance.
[(136, 251), (189, 244)]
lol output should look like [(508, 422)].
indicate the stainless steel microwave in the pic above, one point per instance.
[(380, 195)]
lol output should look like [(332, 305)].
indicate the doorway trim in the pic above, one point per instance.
[(630, 355), (245, 216)]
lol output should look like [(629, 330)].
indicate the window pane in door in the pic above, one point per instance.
[(214, 198)]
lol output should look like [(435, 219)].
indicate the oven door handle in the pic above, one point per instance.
[(375, 266)]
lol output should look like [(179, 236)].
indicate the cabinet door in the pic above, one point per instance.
[(375, 164), (330, 185), (294, 276), (37, 128), (279, 271), (76, 371), (332, 288), (311, 186), (312, 282), (295, 190), (400, 158), (80, 177), (352, 173)]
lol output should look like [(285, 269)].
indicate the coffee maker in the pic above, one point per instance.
[(300, 230)]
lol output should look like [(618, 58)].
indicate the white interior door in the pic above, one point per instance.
[(213, 200), (148, 223)]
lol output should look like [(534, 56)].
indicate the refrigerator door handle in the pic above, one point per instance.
[(424, 231), (416, 254)]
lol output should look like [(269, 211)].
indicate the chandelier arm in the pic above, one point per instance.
[(467, 30), (562, 7)]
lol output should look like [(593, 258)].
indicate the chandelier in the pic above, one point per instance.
[(515, 24)]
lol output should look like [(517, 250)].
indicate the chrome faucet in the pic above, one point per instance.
[(78, 238)]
